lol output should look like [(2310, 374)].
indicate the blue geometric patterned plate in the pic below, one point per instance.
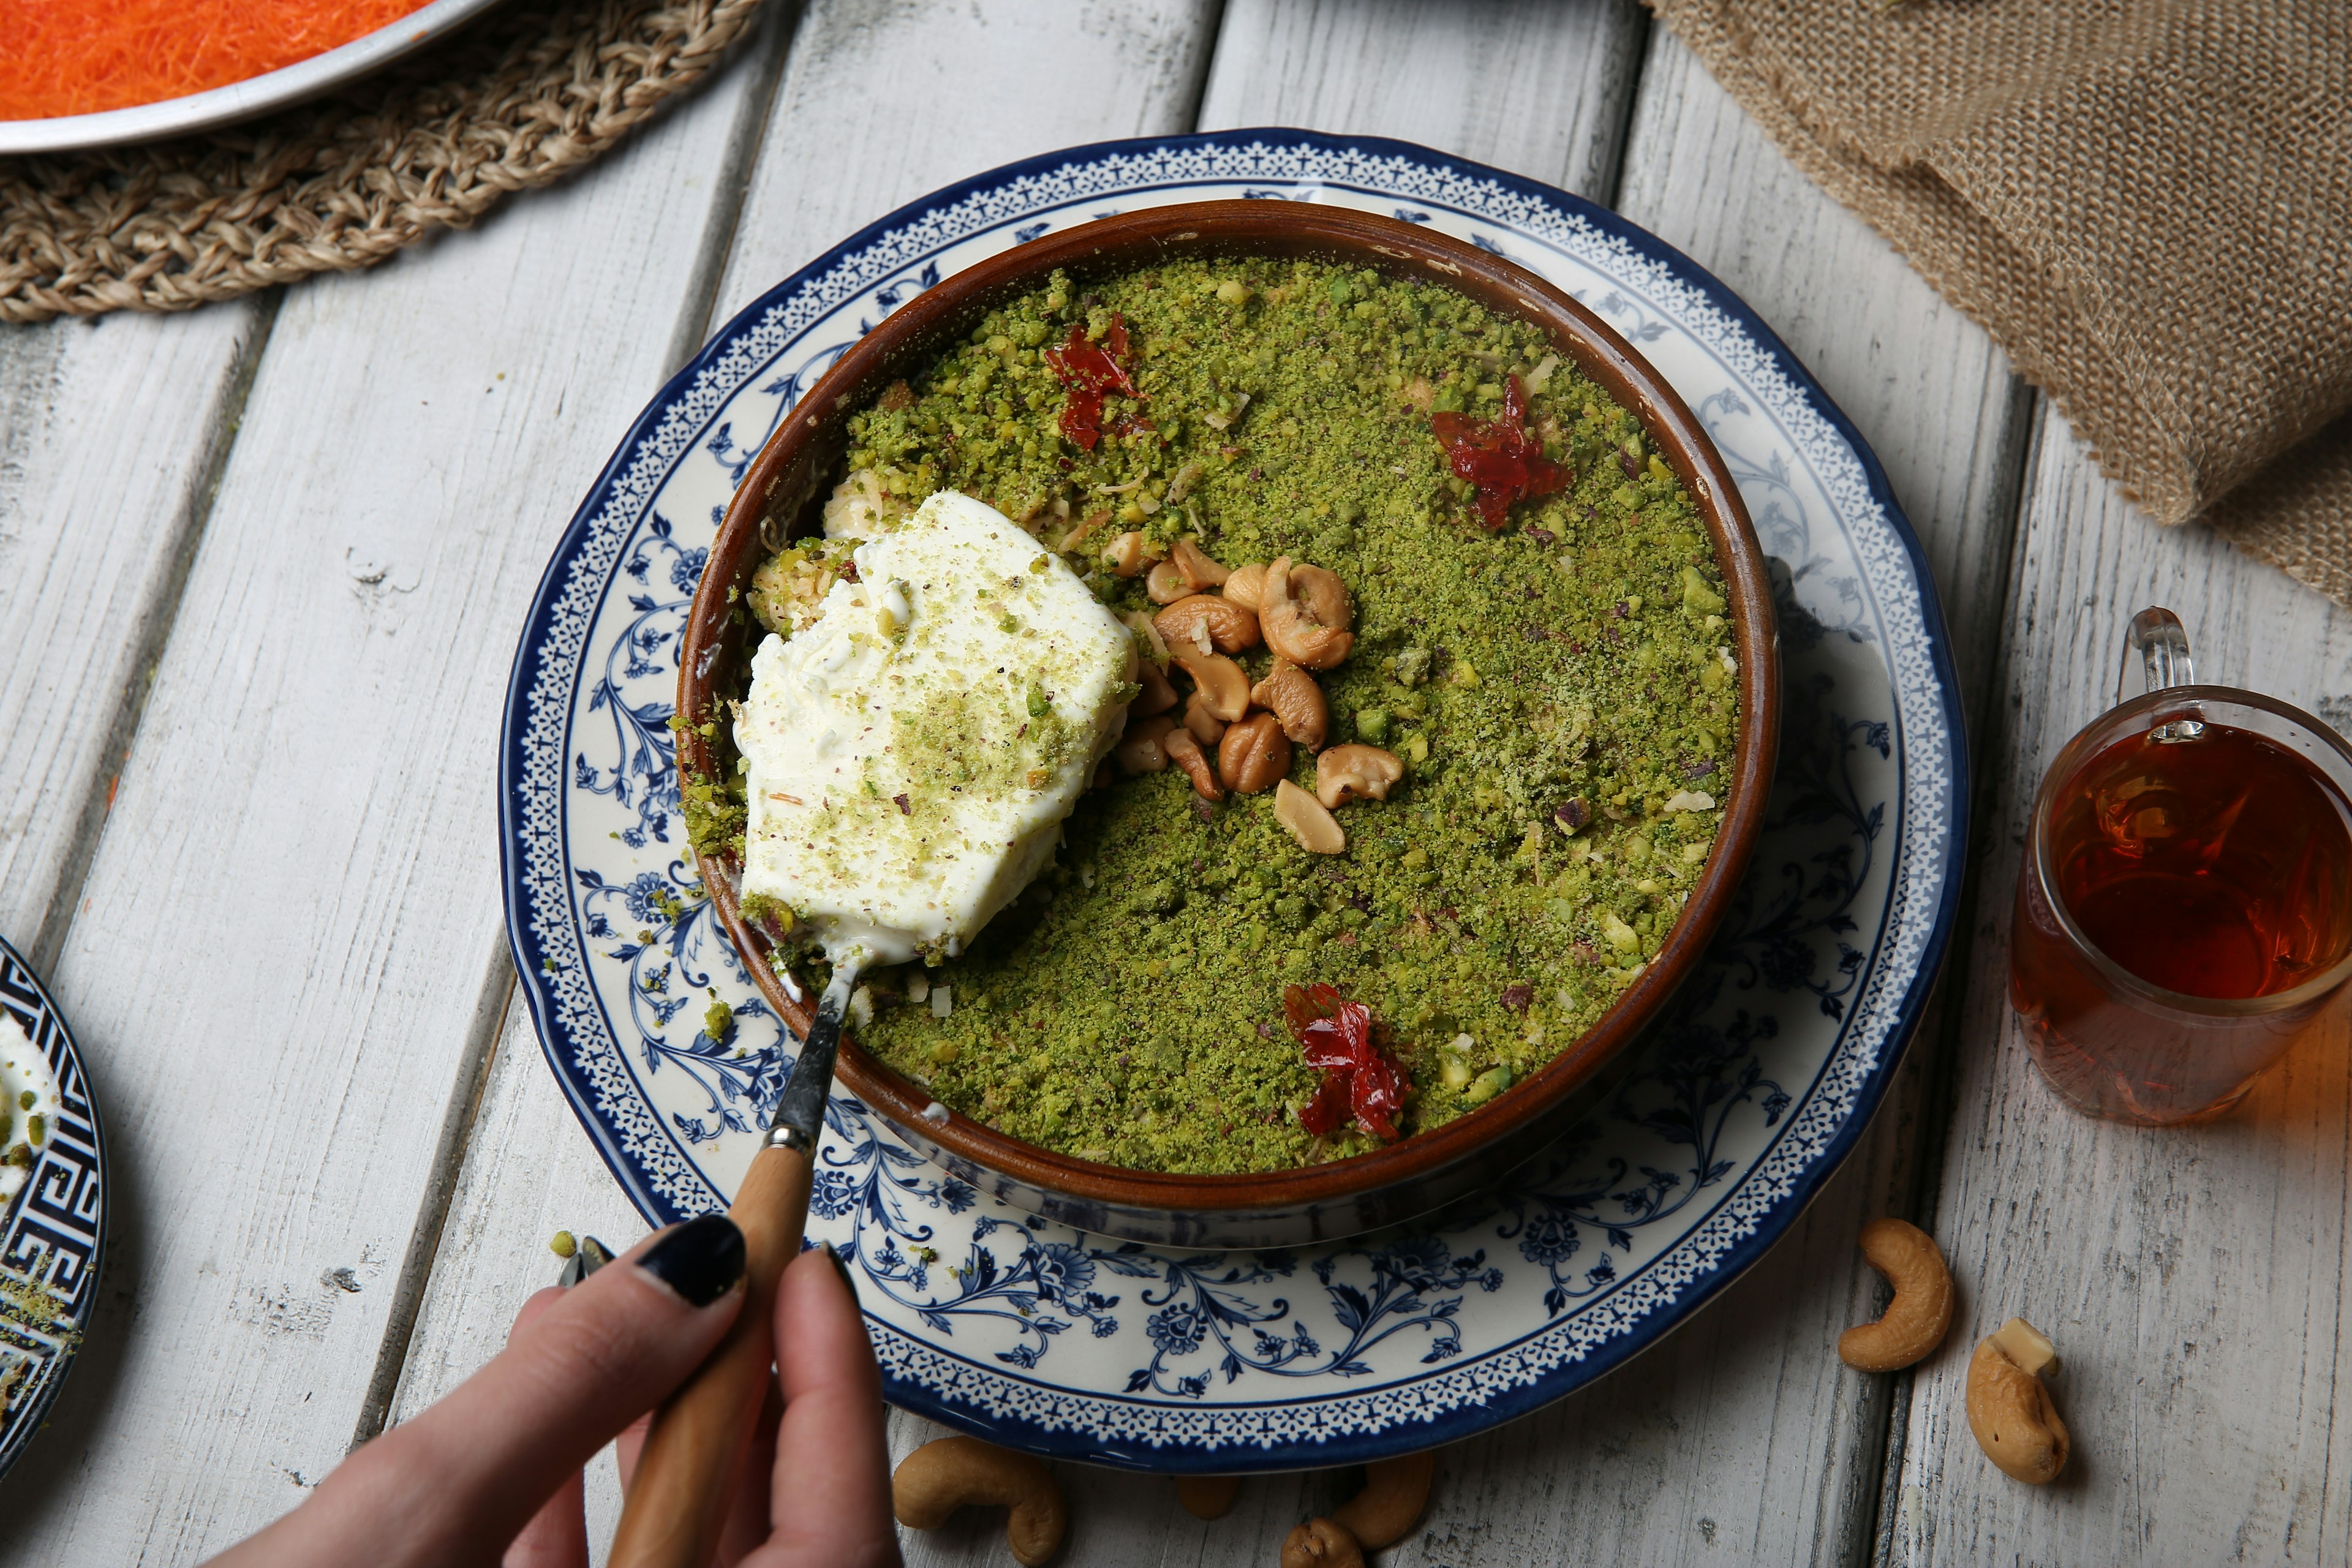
[(1036, 1335), (51, 1245)]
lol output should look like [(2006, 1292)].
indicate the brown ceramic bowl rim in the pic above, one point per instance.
[(1259, 228)]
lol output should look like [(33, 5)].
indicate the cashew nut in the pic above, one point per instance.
[(1077, 536), (1316, 829), (1246, 585), (1292, 604), (1914, 1321), (1166, 584), (1395, 1492), (1199, 570), (1321, 1543), (1186, 753), (1207, 1497), (1139, 750), (2010, 1408), (1158, 696), (1325, 596), (1208, 623), (1253, 754), (1293, 698), (944, 1475), (1206, 726), (1129, 553), (1224, 685), (2027, 1346), (1150, 648), (1353, 771)]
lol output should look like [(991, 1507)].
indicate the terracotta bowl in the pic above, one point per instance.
[(782, 497)]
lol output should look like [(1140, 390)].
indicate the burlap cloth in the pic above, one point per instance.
[(528, 93), (2147, 203)]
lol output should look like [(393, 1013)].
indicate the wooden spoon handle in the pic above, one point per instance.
[(677, 1501)]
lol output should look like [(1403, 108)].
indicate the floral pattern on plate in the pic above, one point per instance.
[(985, 1317)]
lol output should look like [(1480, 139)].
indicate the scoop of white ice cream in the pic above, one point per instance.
[(912, 755)]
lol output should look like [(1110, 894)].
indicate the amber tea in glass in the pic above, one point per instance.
[(2185, 908)]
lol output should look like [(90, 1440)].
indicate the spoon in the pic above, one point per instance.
[(673, 1510)]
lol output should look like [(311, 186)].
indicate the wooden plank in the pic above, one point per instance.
[(110, 434), (1133, 70), (2191, 1278), (1540, 89), (881, 102), (529, 1171), (292, 962)]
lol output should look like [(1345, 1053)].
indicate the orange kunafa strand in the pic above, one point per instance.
[(78, 56)]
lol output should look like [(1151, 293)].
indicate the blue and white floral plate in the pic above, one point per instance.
[(1038, 1336), (55, 1232)]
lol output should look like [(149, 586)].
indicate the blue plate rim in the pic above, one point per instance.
[(1741, 1255), (27, 1422)]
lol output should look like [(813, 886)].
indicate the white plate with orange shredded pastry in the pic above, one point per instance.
[(99, 76)]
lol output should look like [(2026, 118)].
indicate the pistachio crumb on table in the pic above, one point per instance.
[(1561, 695)]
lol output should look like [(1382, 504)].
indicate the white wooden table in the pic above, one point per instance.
[(261, 571)]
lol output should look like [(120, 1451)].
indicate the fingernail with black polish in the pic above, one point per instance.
[(841, 1267), (701, 1260)]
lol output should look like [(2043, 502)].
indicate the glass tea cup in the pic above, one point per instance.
[(2184, 911)]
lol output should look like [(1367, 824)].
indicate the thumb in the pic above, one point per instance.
[(457, 1483)]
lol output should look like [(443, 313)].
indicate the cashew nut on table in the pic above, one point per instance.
[(2009, 1409), (1395, 1492), (1207, 1497), (1914, 1321), (944, 1475)]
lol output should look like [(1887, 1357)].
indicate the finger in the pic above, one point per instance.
[(590, 1362), (747, 1515), (629, 1444), (457, 1483), (830, 1488), (557, 1536)]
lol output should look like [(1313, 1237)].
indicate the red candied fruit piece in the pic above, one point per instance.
[(1329, 1108), (1360, 1078), (1375, 1094), (1090, 369), (1500, 456)]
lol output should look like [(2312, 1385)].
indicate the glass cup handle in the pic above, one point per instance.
[(2161, 642)]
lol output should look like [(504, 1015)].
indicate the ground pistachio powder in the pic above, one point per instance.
[(1562, 693)]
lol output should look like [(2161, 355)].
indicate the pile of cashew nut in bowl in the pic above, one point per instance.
[(1303, 615)]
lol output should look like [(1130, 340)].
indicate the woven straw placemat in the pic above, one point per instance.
[(525, 95)]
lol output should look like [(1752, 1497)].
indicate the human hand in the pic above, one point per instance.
[(493, 1469)]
